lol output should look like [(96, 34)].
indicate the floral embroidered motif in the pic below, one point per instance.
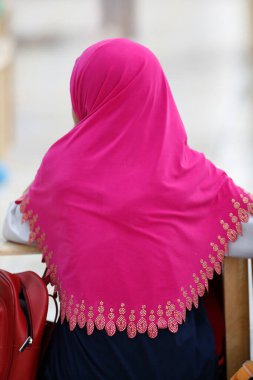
[(242, 213), (73, 318), (142, 323), (90, 323), (121, 321), (246, 201), (178, 317), (188, 300), (131, 328), (68, 308), (183, 309), (200, 286), (238, 224), (204, 278), (161, 323), (166, 316), (152, 328), (110, 326), (81, 317), (170, 307), (231, 234), (172, 325), (100, 320)]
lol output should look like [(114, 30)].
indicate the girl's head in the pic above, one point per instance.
[(120, 97), (111, 69)]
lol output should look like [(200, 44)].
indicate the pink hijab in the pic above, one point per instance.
[(132, 222)]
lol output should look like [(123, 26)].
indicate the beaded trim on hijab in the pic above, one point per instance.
[(142, 320)]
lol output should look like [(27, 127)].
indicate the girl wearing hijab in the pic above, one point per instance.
[(132, 224)]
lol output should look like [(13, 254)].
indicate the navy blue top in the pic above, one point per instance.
[(188, 354)]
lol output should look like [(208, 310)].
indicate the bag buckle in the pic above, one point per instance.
[(27, 342)]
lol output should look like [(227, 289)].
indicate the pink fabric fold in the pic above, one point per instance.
[(131, 221)]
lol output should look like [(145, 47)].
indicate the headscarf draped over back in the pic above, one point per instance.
[(132, 222)]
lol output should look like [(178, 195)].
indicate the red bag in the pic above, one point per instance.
[(23, 312)]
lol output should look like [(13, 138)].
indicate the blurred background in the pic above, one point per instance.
[(205, 47)]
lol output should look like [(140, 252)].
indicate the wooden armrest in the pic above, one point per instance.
[(8, 249), (235, 275)]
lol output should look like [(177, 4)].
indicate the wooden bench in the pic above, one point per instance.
[(236, 298), (12, 249)]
